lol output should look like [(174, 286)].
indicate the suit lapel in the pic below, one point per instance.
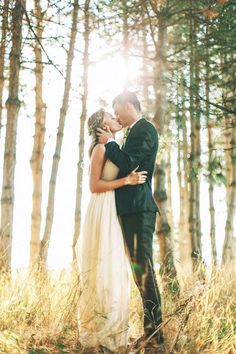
[(133, 130)]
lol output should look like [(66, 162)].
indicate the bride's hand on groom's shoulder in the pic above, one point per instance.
[(104, 135), (136, 177)]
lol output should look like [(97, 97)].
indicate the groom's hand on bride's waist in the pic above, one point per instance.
[(104, 136)]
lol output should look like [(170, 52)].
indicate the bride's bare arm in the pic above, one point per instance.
[(97, 185)]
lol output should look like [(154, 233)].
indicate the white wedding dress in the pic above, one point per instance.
[(104, 273)]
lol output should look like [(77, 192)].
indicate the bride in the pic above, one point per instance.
[(103, 264)]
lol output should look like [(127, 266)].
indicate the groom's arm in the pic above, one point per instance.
[(142, 145)]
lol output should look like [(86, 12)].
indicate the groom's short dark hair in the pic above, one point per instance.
[(126, 97)]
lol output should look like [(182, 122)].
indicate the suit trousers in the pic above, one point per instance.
[(138, 229)]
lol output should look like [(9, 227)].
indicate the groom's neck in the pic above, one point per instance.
[(133, 120)]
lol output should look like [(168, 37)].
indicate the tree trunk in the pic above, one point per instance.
[(163, 227), (210, 156), (83, 117), (2, 53), (227, 158), (169, 177), (37, 153), (229, 248), (183, 173), (125, 42), (13, 105), (63, 111), (144, 77), (198, 148), (194, 216)]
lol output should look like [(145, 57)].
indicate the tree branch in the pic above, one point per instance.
[(38, 40)]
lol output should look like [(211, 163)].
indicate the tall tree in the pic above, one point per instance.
[(163, 227), (144, 77), (37, 153), (125, 44), (63, 111), (4, 27), (229, 248), (13, 105), (211, 159), (169, 174), (194, 216), (83, 116), (183, 173)]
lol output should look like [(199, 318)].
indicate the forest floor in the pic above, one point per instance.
[(38, 314)]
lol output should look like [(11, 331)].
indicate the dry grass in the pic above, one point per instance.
[(38, 315), (203, 320)]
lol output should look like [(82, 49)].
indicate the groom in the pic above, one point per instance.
[(135, 204)]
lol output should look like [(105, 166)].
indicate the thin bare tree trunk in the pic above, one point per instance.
[(13, 105), (163, 227), (183, 172), (2, 54), (125, 41), (144, 81), (182, 235), (229, 248), (169, 179), (228, 245), (198, 150), (194, 216), (63, 111), (186, 168), (227, 157), (210, 155), (77, 217), (37, 153)]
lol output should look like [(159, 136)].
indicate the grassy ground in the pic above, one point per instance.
[(38, 315)]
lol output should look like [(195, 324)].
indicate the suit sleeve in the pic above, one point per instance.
[(142, 145)]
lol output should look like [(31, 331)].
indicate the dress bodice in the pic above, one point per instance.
[(110, 171)]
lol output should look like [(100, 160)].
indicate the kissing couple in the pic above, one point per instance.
[(117, 238)]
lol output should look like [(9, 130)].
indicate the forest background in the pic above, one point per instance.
[(60, 62)]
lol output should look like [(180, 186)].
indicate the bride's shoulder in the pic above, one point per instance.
[(98, 151)]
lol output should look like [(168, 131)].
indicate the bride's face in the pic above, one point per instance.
[(112, 123)]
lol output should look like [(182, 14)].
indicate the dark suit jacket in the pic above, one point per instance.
[(140, 150)]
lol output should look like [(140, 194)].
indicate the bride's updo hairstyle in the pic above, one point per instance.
[(96, 120)]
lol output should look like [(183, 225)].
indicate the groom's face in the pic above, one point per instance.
[(121, 113)]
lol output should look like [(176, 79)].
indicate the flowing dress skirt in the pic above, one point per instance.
[(104, 276)]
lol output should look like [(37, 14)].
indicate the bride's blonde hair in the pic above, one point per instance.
[(95, 121)]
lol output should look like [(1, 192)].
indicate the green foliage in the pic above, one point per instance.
[(233, 159), (215, 171), (41, 350), (220, 178), (224, 329), (60, 345), (193, 174), (174, 288)]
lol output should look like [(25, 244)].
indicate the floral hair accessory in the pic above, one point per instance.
[(95, 121)]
